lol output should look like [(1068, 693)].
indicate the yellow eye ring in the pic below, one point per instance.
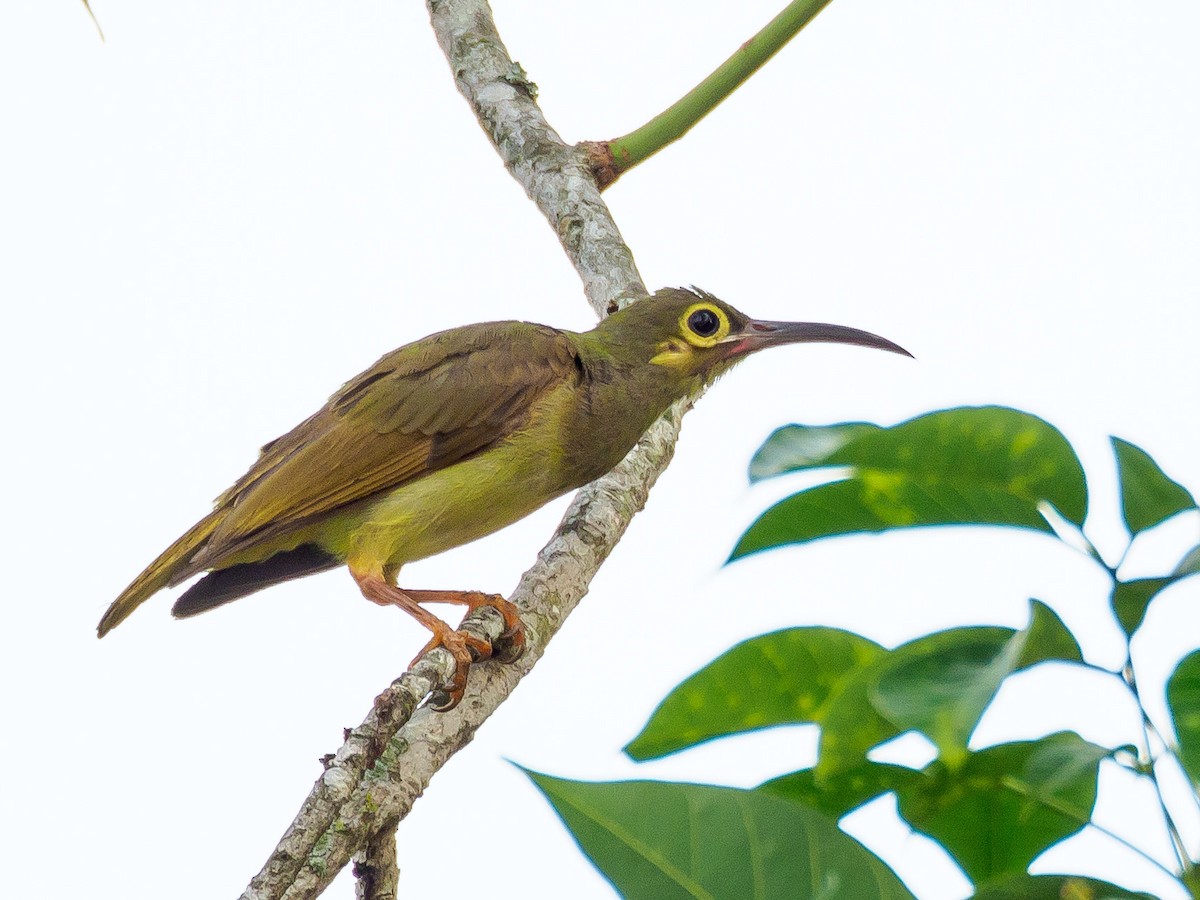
[(703, 324)]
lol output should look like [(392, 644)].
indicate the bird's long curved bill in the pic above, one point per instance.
[(758, 335)]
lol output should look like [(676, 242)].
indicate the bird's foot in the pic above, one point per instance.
[(510, 646), (466, 649)]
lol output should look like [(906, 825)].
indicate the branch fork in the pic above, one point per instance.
[(372, 781)]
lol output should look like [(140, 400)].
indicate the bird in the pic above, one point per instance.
[(451, 438)]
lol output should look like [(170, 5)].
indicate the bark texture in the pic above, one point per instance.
[(372, 781), (556, 176)]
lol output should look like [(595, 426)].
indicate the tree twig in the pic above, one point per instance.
[(371, 783), (375, 870), (547, 593), (610, 159), (556, 176), (345, 769)]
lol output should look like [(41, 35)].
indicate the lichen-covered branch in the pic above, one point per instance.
[(547, 593), (370, 784), (345, 769), (555, 175), (375, 870)]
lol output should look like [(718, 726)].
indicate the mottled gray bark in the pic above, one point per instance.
[(555, 175), (375, 870), (371, 783)]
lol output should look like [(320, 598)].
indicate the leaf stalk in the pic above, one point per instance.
[(610, 159)]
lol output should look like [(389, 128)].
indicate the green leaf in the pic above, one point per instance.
[(852, 725), (1131, 599), (878, 502), (1148, 496), (1005, 805), (966, 466), (1047, 638), (781, 678), (941, 684), (660, 841), (1183, 698), (1054, 887), (839, 794), (793, 448), (1190, 564)]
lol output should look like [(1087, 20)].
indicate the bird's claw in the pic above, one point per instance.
[(465, 649), (510, 646)]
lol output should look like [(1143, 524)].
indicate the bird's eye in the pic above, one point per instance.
[(704, 322)]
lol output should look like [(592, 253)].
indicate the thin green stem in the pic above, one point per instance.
[(674, 122), (1019, 787), (1095, 554), (1186, 866), (1090, 551), (1075, 537), (95, 21), (1136, 849), (1124, 555)]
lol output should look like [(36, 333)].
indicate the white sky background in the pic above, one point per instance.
[(213, 220)]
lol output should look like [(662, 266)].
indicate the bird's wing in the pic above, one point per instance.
[(421, 408)]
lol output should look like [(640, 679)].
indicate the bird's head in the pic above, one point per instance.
[(692, 334)]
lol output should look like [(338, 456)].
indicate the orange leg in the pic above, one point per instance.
[(512, 640), (462, 646)]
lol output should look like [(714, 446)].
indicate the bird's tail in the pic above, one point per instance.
[(158, 575), (231, 582)]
